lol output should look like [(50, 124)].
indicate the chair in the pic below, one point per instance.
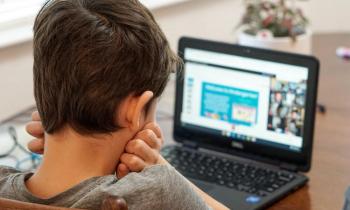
[(109, 203)]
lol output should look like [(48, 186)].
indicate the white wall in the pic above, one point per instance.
[(212, 19), (16, 81)]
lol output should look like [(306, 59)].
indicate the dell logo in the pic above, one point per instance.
[(237, 145)]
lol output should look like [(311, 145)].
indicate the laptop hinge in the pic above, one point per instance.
[(190, 144), (289, 167)]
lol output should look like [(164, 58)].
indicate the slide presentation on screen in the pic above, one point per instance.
[(234, 105)]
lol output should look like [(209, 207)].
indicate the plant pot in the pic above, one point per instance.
[(301, 45)]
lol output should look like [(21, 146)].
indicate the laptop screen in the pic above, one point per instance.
[(245, 99)]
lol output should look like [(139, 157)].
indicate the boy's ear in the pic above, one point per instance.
[(134, 110)]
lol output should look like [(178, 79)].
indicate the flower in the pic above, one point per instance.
[(280, 17)]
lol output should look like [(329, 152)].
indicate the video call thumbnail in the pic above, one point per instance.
[(287, 107)]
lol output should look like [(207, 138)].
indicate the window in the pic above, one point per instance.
[(16, 20), (17, 17)]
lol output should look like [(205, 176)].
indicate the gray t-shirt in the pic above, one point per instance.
[(156, 187), (347, 200)]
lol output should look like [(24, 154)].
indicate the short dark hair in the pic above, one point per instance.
[(91, 54)]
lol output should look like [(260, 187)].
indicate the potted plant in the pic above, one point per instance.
[(275, 24)]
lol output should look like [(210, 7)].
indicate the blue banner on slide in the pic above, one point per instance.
[(234, 105)]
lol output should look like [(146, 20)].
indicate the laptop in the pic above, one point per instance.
[(244, 121)]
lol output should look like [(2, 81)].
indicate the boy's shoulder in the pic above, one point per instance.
[(140, 190), (156, 187), (6, 171), (7, 179)]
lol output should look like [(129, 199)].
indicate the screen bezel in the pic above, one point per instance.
[(301, 160)]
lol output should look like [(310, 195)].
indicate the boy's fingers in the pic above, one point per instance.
[(36, 146), (150, 138), (36, 116), (134, 163), (155, 128), (122, 170), (35, 128), (139, 148)]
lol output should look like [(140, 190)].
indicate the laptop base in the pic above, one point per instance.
[(237, 195)]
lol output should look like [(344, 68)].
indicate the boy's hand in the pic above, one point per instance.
[(35, 129), (142, 151)]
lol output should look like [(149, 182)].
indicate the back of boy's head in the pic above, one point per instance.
[(89, 55)]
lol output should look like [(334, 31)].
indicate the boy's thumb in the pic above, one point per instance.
[(122, 170)]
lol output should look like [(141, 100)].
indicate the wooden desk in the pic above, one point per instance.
[(330, 173)]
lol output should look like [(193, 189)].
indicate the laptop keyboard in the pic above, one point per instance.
[(230, 173)]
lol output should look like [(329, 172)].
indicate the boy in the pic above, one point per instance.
[(99, 67)]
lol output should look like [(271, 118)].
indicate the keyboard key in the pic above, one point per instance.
[(231, 185), (270, 189), (262, 193)]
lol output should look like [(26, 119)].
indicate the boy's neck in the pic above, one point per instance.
[(70, 158)]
